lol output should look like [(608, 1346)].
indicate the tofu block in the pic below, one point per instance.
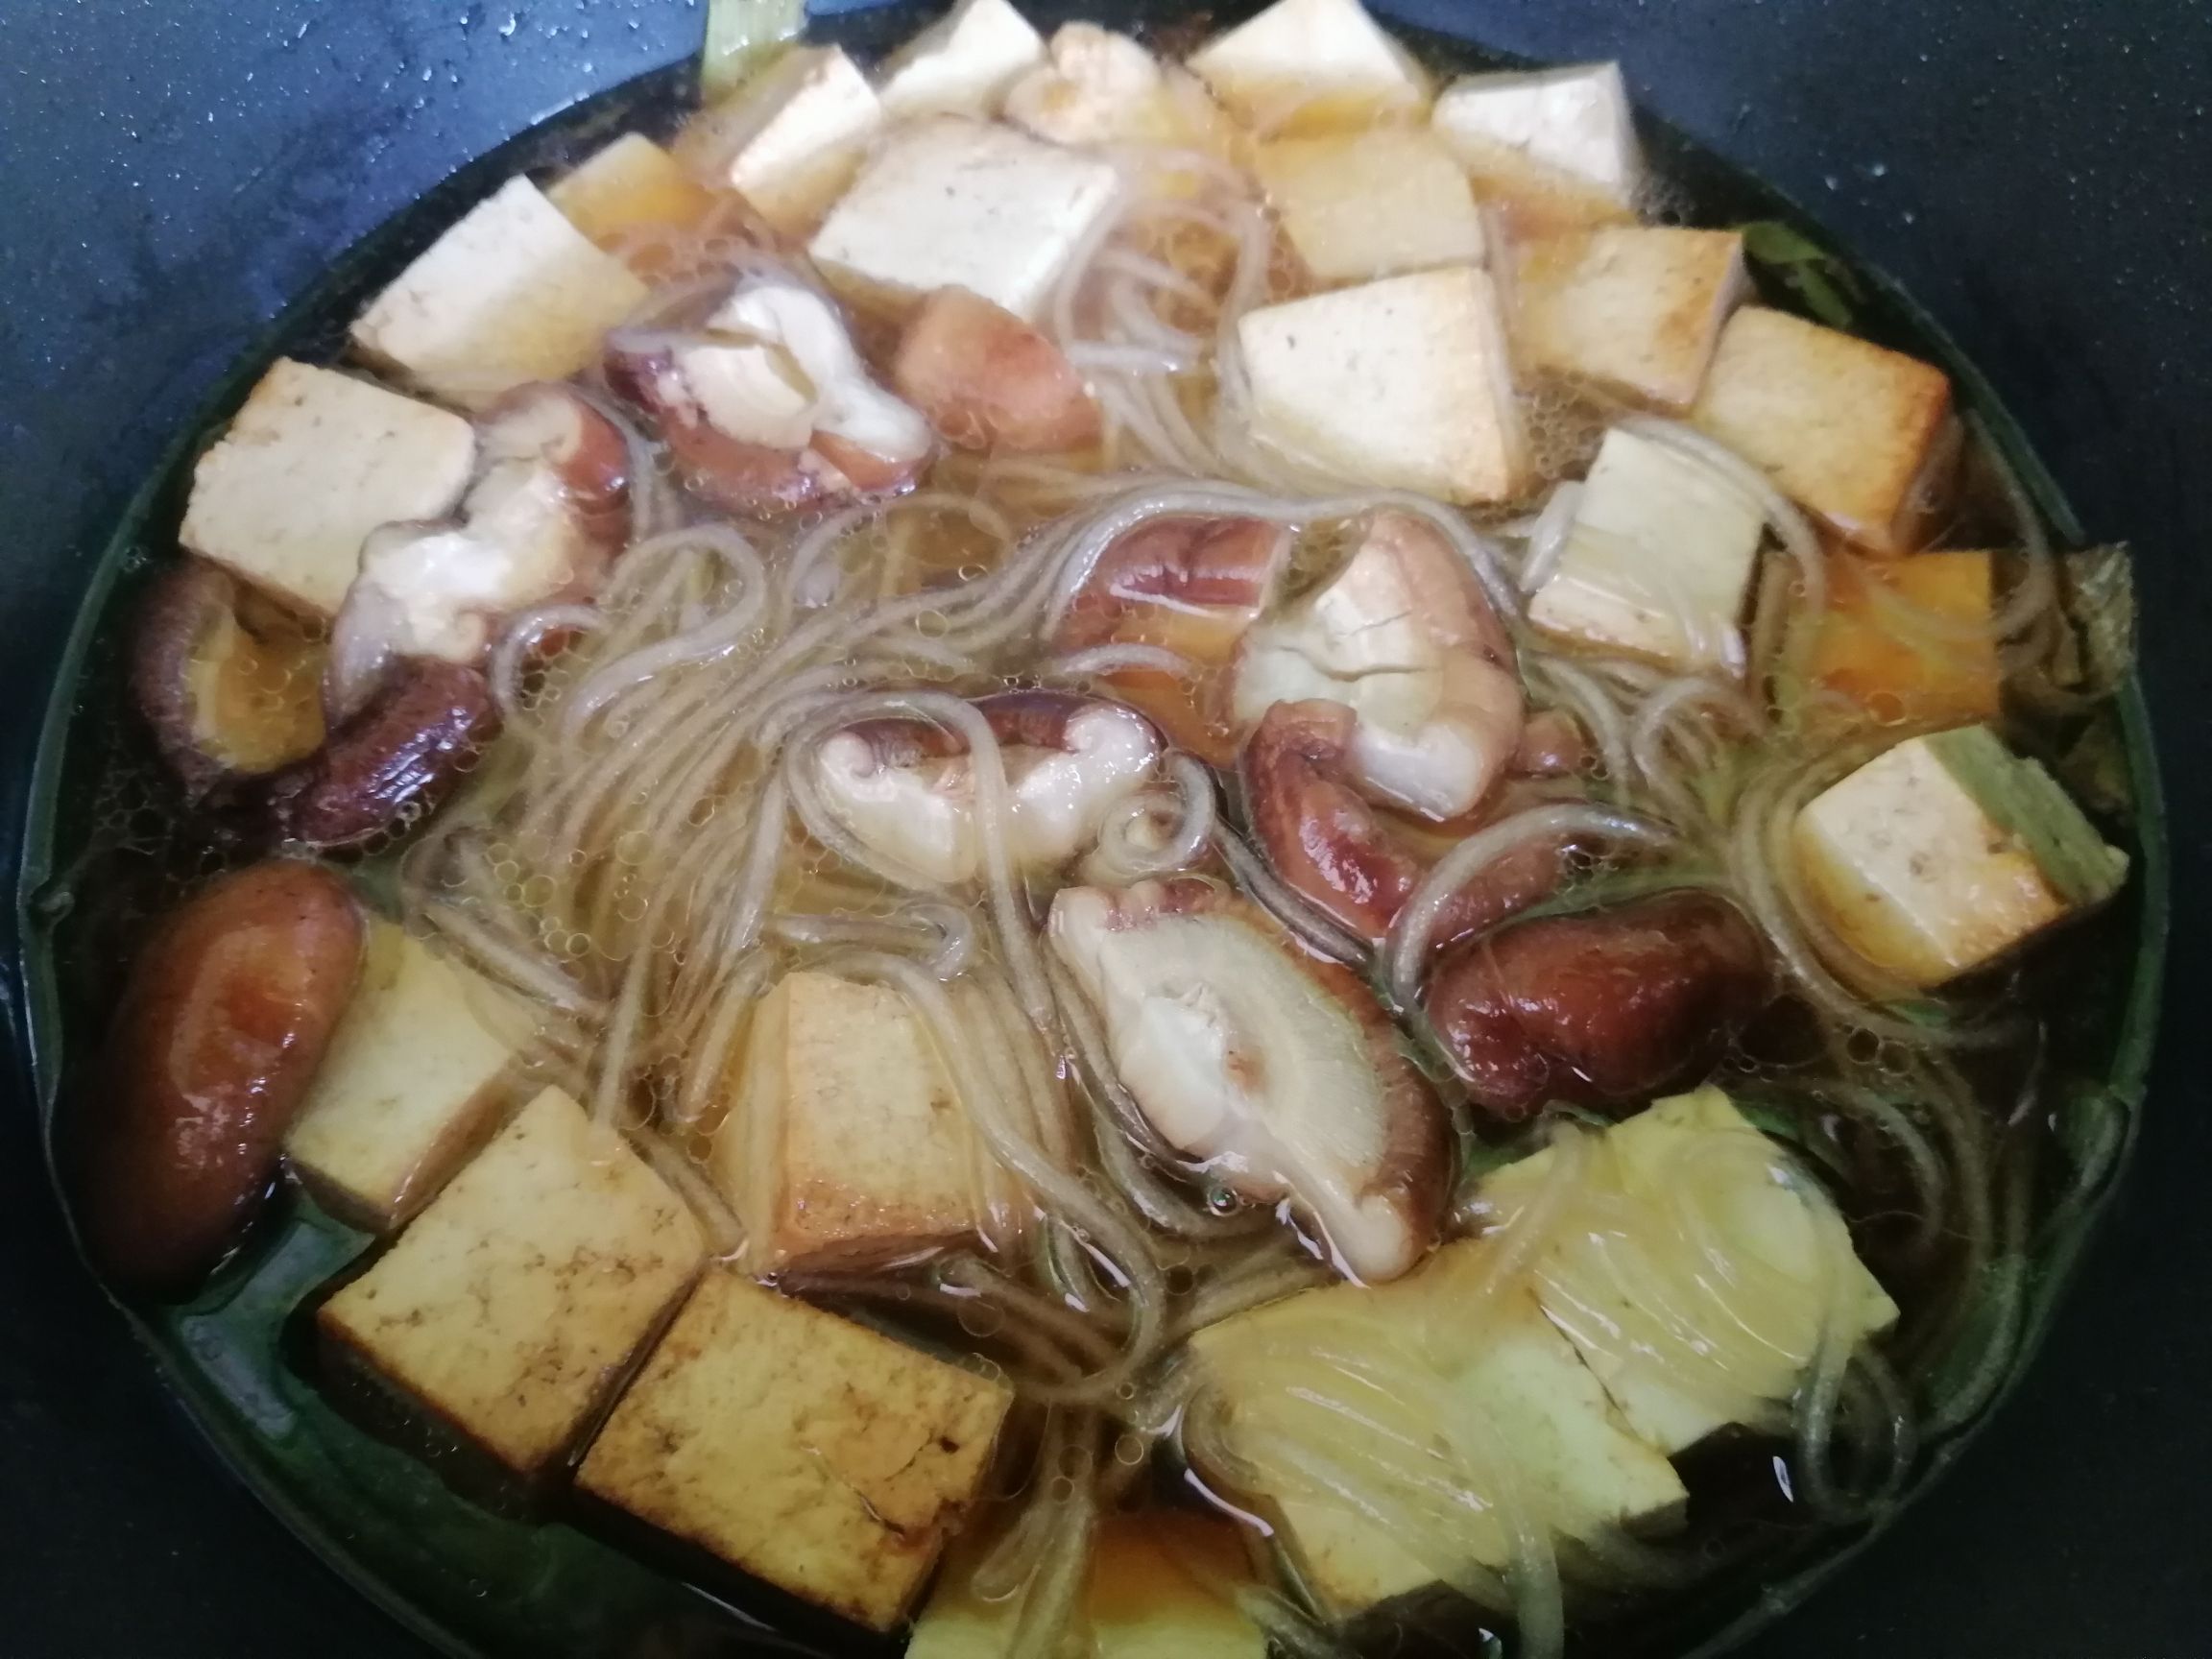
[(815, 1454), (847, 1143), (512, 293), (1098, 86), (1574, 1455), (631, 186), (962, 65), (512, 1306), (1155, 1592), (1633, 310), (1401, 383), (1906, 639), (1560, 143), (1859, 435), (311, 462), (1765, 1227), (1946, 852), (409, 1084), (1364, 204), (952, 202), (790, 138), (1658, 559), (1310, 65)]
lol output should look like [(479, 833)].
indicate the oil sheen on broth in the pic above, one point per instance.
[(1113, 853)]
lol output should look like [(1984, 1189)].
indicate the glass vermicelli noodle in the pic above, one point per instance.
[(1124, 839)]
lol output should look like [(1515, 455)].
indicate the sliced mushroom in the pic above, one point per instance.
[(1354, 862), (1190, 586), (986, 380), (545, 513), (1404, 636), (1604, 1009), (229, 687), (907, 788), (1273, 1071), (770, 408)]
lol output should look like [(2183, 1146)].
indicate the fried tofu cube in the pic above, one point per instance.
[(964, 63), (1858, 435), (815, 1454), (952, 203), (1401, 383), (1155, 1591), (1636, 311), (311, 462), (1364, 204), (790, 138), (1658, 559), (631, 186), (1907, 639), (846, 1142), (511, 1307), (1947, 852), (1310, 65), (413, 1076), (1555, 147), (511, 293)]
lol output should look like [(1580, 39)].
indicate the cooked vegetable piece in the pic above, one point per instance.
[(790, 138), (1310, 65), (948, 202), (962, 65), (1861, 436), (1403, 383), (630, 186), (511, 1305), (846, 1142), (1364, 204), (1275, 1069), (224, 1018), (1633, 310), (512, 293), (987, 380), (415, 1075), (1600, 1008), (312, 462), (1555, 148), (1909, 640), (830, 1460), (1658, 559), (1943, 854)]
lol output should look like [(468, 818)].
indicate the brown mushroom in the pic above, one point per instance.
[(1274, 1070), (986, 380), (1604, 1009), (229, 687)]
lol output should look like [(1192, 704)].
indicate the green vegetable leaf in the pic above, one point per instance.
[(1822, 283), (2094, 767), (2096, 588)]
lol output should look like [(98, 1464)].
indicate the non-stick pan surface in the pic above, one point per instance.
[(2040, 176)]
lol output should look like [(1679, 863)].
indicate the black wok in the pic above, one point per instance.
[(2039, 177)]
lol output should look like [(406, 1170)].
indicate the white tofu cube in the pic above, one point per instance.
[(962, 65), (846, 1142), (1374, 204), (1635, 311), (1098, 87), (831, 1461), (1403, 383), (1943, 854), (1572, 125), (512, 293), (1311, 65), (512, 1306), (311, 462), (630, 185), (1859, 435), (790, 138), (409, 1086), (951, 202), (1658, 559)]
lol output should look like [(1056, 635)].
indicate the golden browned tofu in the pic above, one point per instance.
[(1861, 436), (828, 1460), (513, 1305), (847, 1143), (409, 1084), (1635, 310)]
